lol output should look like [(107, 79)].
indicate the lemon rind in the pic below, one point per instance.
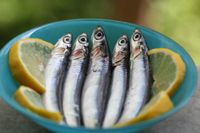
[(181, 69), (160, 106), (25, 102), (19, 70)]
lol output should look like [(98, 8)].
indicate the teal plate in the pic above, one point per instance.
[(113, 29)]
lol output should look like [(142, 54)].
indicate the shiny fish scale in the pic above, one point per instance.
[(55, 68), (97, 81), (50, 97), (118, 84), (137, 94), (138, 91), (71, 101), (116, 102), (74, 82), (95, 95)]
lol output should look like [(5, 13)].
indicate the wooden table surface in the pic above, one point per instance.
[(185, 121)]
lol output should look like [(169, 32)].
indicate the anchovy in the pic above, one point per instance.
[(74, 81), (119, 82), (138, 91), (53, 73), (96, 85)]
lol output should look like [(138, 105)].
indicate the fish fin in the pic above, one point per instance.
[(137, 52), (66, 51), (59, 51), (117, 59)]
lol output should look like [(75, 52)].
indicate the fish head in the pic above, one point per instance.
[(137, 44), (120, 50), (65, 41), (122, 44), (99, 47), (98, 36), (80, 48), (64, 44), (82, 41)]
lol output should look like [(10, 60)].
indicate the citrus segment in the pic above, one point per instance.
[(168, 70), (31, 100), (157, 106), (27, 59)]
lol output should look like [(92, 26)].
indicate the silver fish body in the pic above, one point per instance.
[(96, 85), (74, 81), (119, 82), (138, 91), (54, 69)]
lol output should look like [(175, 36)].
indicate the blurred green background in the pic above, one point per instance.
[(180, 20)]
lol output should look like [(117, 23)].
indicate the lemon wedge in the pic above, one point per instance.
[(27, 59), (157, 106), (168, 70), (32, 100)]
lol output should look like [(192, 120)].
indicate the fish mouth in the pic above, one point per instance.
[(118, 57), (137, 31), (84, 34), (69, 34), (125, 37), (99, 28)]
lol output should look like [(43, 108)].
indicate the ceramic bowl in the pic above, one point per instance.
[(113, 30)]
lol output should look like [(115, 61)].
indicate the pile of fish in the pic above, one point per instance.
[(92, 89)]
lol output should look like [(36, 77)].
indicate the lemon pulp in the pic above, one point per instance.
[(32, 100), (28, 59), (168, 70)]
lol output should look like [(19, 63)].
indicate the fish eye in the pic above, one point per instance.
[(122, 42), (82, 39), (137, 36), (66, 39), (99, 35)]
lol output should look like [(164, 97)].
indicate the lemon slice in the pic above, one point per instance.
[(31, 100), (27, 59), (157, 106), (168, 70)]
